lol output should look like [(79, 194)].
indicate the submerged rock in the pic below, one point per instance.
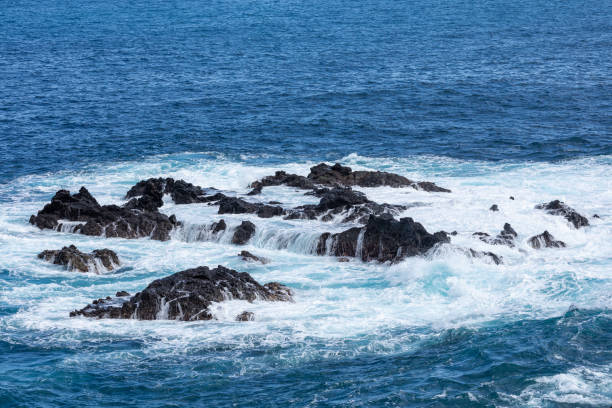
[(494, 207), (74, 260), (545, 240), (186, 295), (243, 233), (245, 317), (247, 256), (90, 218), (486, 255), (382, 239), (233, 205), (557, 207)]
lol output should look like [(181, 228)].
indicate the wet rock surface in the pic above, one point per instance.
[(234, 205), (505, 237), (245, 317), (243, 233), (181, 191), (557, 207), (91, 218), (186, 295), (342, 176), (545, 240), (74, 260), (350, 205), (382, 239)]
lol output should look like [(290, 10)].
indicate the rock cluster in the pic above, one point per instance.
[(90, 218), (186, 295), (545, 240), (505, 237)]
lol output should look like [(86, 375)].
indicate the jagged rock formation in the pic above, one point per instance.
[(98, 261), (181, 191), (382, 239), (186, 295), (545, 240), (352, 205), (505, 237), (90, 218), (557, 207), (245, 316), (342, 176)]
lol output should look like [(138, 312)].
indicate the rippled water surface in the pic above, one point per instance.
[(491, 100)]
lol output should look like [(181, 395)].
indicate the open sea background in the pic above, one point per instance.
[(490, 99)]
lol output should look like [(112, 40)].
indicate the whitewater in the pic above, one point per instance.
[(443, 327)]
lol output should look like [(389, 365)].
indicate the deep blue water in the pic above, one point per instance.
[(478, 94), (92, 81)]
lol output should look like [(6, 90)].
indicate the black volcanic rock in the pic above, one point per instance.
[(382, 239), (186, 295), (557, 207), (353, 205), (341, 176), (505, 237), (545, 240), (245, 316), (107, 220), (181, 191), (234, 205), (486, 255), (494, 207), (74, 260), (243, 233)]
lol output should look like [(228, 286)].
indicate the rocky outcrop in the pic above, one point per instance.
[(382, 239), (186, 295), (243, 233), (233, 205), (505, 237), (557, 207), (249, 257), (181, 191), (281, 178), (98, 261), (490, 256), (351, 205), (87, 217), (545, 240), (341, 176)]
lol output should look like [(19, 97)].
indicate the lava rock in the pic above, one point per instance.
[(107, 220), (218, 226), (233, 205), (281, 178), (181, 191), (382, 239), (487, 255), (186, 295), (247, 256), (122, 293), (243, 233), (545, 240), (494, 207), (557, 207), (505, 237), (74, 260)]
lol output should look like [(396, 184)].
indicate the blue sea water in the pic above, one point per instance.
[(490, 99)]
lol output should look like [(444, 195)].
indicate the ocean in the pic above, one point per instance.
[(491, 100)]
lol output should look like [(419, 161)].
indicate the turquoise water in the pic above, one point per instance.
[(491, 100)]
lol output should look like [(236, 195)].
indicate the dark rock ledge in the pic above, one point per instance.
[(91, 218), (557, 207), (186, 295), (382, 239), (74, 260), (341, 176)]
